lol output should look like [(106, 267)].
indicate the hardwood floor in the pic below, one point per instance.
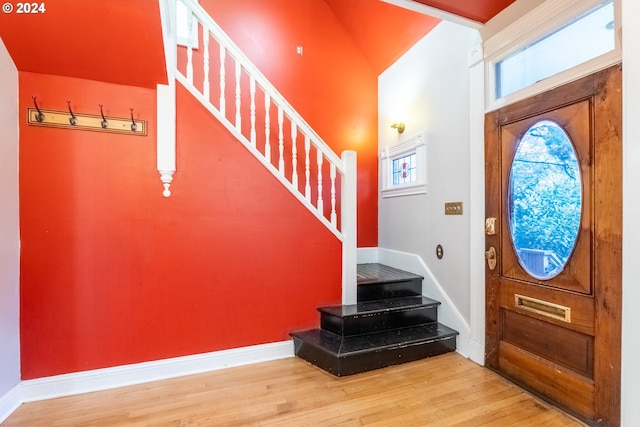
[(446, 390)]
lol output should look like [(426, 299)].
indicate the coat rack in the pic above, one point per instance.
[(72, 120)]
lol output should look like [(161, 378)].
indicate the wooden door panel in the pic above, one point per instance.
[(582, 309), (552, 381), (560, 336), (557, 344), (576, 119)]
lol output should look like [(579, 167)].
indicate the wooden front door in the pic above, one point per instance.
[(554, 244)]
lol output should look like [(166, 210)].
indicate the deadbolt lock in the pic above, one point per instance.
[(490, 226)]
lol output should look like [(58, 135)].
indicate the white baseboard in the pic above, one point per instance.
[(476, 352), (10, 401), (448, 313), (120, 376), (367, 255)]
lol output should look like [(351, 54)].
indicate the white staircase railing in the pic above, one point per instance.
[(229, 85)]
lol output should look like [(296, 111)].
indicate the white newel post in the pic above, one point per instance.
[(349, 213), (166, 101)]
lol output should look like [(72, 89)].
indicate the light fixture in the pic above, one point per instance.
[(399, 126)]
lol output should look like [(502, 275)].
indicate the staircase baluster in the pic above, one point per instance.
[(320, 205), (307, 186), (205, 85), (294, 155), (238, 116), (345, 167), (285, 113), (334, 217), (190, 49), (280, 140), (267, 127), (252, 88), (223, 55)]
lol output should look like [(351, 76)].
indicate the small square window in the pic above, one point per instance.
[(404, 168)]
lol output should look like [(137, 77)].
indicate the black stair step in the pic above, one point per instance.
[(378, 281), (378, 315), (351, 355)]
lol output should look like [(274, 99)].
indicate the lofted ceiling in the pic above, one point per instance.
[(120, 41), (382, 31), (475, 10)]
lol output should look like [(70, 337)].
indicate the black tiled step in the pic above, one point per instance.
[(351, 355), (378, 315), (377, 281), (376, 273)]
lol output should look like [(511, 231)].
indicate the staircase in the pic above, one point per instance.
[(391, 323), (223, 79)]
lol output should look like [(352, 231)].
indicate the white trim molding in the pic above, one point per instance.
[(138, 373), (435, 12), (10, 401), (126, 375), (476, 208), (537, 23), (448, 313)]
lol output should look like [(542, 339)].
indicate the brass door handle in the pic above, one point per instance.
[(491, 257)]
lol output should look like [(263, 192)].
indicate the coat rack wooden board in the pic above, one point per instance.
[(60, 119)]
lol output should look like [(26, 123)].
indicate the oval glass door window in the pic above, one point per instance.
[(545, 200)]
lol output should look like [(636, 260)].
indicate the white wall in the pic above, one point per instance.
[(428, 88), (9, 226)]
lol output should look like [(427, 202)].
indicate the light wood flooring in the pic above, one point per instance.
[(446, 390)]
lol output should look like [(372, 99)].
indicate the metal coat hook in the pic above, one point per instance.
[(73, 119), (134, 126), (40, 115), (104, 122)]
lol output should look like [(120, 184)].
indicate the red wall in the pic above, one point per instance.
[(332, 85), (113, 273)]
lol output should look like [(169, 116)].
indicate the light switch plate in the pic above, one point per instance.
[(453, 208)]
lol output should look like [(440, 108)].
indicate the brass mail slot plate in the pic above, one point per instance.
[(544, 308)]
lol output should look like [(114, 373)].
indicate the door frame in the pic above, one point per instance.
[(607, 170)]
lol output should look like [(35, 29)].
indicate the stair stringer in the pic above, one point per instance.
[(431, 288)]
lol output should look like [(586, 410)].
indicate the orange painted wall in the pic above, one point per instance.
[(331, 85), (113, 273)]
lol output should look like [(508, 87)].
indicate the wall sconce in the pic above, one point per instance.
[(399, 126)]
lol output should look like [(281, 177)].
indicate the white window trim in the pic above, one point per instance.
[(416, 144), (543, 20)]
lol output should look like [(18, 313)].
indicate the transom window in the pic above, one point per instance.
[(582, 39)]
